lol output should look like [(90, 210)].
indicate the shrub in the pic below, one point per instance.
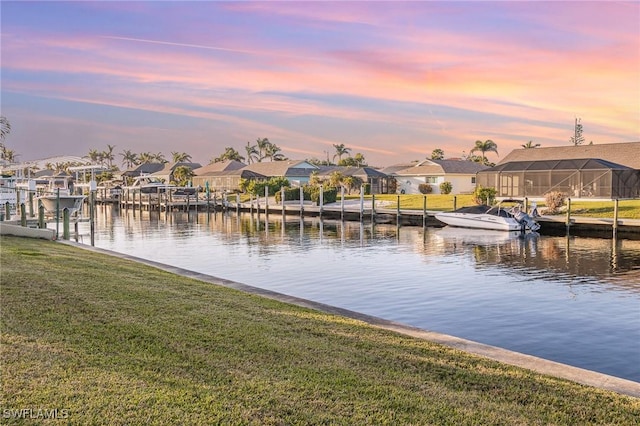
[(330, 195), (446, 188), (554, 200), (256, 187), (425, 188), (483, 195)]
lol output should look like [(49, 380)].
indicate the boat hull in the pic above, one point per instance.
[(479, 221), (71, 202)]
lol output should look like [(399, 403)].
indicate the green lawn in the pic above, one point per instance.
[(114, 342), (627, 209)]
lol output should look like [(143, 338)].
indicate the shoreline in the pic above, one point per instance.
[(536, 364)]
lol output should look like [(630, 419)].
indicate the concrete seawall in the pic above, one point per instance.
[(23, 231)]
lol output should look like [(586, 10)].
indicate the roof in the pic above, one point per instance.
[(144, 169), (282, 168), (219, 167), (170, 167), (366, 172), (543, 165), (394, 168), (626, 154), (243, 173), (440, 167)]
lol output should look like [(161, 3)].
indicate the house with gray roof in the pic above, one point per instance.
[(296, 171), (378, 181), (605, 171), (460, 173)]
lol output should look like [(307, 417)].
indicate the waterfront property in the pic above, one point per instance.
[(586, 171), (427, 175)]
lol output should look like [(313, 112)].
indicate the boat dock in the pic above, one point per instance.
[(364, 210)]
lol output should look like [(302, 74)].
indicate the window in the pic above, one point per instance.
[(431, 179), (473, 180)]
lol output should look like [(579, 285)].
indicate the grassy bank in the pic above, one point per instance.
[(627, 209), (112, 341)]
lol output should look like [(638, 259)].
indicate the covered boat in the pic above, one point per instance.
[(508, 215)]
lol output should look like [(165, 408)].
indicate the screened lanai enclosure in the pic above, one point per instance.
[(582, 178)]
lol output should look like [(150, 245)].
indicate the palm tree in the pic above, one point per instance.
[(530, 145), (182, 175), (252, 153), (486, 146), (360, 161), (159, 158), (5, 128), (180, 157), (129, 158), (340, 151), (273, 153), (262, 145), (145, 157), (7, 154), (108, 155), (228, 154), (93, 155)]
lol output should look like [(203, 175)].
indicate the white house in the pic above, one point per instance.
[(461, 174)]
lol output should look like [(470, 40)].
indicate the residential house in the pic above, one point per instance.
[(378, 181), (460, 173), (296, 171), (223, 176), (166, 173), (584, 171)]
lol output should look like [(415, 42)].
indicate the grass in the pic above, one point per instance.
[(112, 341), (627, 209)]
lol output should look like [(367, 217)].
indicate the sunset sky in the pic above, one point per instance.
[(391, 80)]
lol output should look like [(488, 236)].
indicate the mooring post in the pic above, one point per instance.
[(398, 210), (615, 217), (568, 220), (23, 215), (282, 200), (455, 203), (65, 224), (321, 199), (41, 223), (341, 202), (424, 211), (362, 203), (7, 211), (301, 201), (31, 211), (373, 208), (238, 203), (266, 202), (92, 213), (32, 191)]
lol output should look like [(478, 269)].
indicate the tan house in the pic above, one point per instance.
[(224, 176), (585, 171), (166, 173)]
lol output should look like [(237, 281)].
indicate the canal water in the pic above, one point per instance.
[(569, 299)]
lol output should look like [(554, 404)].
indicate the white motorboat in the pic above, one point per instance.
[(53, 202), (149, 185), (499, 218), (59, 196)]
